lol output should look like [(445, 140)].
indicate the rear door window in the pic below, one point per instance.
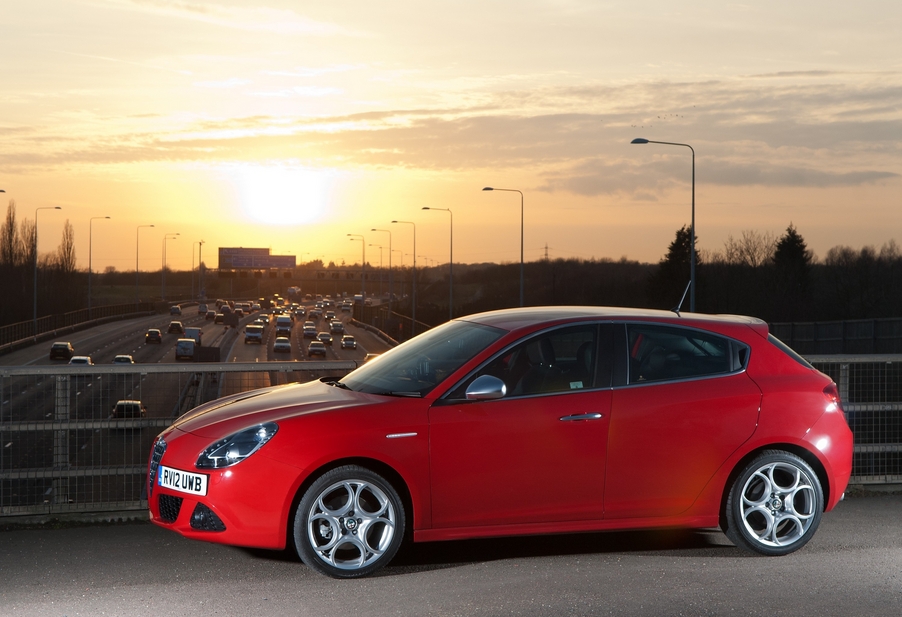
[(662, 353)]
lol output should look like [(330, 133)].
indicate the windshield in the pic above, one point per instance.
[(423, 362)]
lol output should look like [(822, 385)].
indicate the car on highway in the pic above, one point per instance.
[(128, 408), (282, 344), (283, 325), (336, 326), (527, 421), (201, 309), (81, 361), (253, 333), (185, 349), (210, 315), (316, 348), (175, 327), (175, 310), (325, 338), (348, 342), (309, 329), (124, 359), (61, 350), (153, 336), (219, 318)]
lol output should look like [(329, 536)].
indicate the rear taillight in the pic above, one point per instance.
[(834, 403)]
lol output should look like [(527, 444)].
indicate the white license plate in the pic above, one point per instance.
[(182, 481)]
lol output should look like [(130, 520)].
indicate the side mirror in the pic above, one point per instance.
[(486, 388)]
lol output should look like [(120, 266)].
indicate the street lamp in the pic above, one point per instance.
[(640, 140), (489, 188), (136, 262), (36, 264), (354, 238), (163, 271), (90, 255), (390, 286), (451, 264), (413, 324), (200, 245), (380, 247)]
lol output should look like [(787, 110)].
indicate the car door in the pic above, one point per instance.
[(534, 456), (686, 407)]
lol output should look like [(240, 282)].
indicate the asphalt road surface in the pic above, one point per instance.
[(852, 567)]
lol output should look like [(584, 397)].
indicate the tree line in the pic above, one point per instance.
[(778, 279), (57, 278)]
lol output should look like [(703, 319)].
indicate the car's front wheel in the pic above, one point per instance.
[(349, 523), (775, 504)]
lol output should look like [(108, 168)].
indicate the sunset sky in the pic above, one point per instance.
[(288, 124)]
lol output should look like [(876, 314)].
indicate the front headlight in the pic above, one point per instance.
[(235, 448)]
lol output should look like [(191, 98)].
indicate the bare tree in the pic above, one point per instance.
[(65, 256), (753, 248), (11, 247)]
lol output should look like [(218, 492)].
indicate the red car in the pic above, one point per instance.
[(518, 422)]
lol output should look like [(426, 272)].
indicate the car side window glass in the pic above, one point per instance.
[(558, 361), (660, 353)]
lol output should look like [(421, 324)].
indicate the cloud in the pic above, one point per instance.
[(796, 133)]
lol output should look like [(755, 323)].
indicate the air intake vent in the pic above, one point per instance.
[(169, 508)]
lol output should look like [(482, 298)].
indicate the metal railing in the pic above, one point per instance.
[(870, 387), (61, 451)]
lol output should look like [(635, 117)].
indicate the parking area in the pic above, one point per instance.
[(853, 566)]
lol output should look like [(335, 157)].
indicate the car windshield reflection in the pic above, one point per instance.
[(419, 365)]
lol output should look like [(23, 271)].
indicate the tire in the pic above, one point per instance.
[(349, 523), (775, 505)]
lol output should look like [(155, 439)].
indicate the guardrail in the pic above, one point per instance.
[(870, 387), (62, 452)]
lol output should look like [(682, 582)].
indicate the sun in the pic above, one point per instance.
[(276, 194)]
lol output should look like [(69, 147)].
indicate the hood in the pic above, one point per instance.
[(229, 414)]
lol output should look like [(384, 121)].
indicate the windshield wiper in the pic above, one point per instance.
[(337, 384)]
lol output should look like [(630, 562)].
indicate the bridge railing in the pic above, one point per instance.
[(62, 451)]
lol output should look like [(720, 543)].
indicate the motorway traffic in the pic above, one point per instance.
[(83, 398)]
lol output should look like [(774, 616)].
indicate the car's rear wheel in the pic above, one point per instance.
[(349, 523), (775, 504)]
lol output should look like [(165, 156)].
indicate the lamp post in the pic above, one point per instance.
[(489, 188), (413, 297), (390, 286), (451, 262), (90, 255), (165, 238), (35, 325), (354, 238), (137, 231), (201, 291), (380, 247), (199, 244), (641, 140)]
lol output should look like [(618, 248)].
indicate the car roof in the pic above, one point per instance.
[(517, 318)]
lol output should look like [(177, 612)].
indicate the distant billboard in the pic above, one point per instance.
[(253, 259)]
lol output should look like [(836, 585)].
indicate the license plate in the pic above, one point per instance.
[(182, 481)]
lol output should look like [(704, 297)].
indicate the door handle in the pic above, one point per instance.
[(582, 416)]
